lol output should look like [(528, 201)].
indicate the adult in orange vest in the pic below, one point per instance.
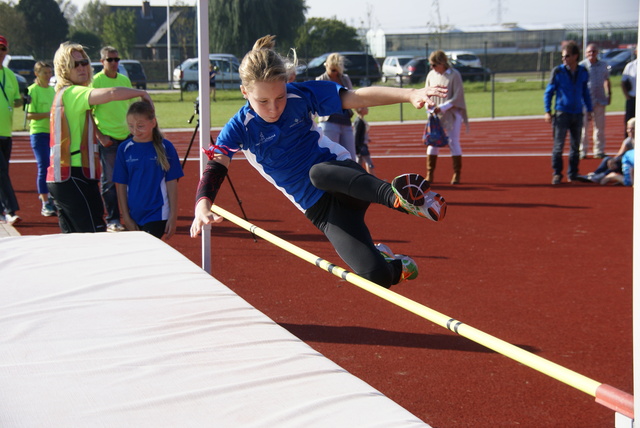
[(74, 171)]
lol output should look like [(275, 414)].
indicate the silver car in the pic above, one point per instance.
[(185, 76)]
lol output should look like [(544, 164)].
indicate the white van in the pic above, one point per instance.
[(465, 58)]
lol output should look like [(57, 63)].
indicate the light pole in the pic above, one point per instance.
[(169, 45)]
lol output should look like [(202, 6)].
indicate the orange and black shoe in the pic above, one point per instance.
[(413, 194)]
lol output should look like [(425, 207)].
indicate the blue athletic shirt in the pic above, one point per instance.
[(137, 167), (284, 151)]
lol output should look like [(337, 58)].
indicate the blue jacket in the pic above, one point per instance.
[(571, 90)]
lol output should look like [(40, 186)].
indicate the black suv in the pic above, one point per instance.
[(417, 69), (362, 68)]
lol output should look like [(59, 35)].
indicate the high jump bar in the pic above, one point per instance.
[(604, 394)]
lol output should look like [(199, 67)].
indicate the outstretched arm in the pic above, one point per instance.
[(381, 95), (120, 93), (208, 187)]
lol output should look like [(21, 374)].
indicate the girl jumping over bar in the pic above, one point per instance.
[(279, 137)]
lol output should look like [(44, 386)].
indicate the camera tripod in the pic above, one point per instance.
[(196, 112)]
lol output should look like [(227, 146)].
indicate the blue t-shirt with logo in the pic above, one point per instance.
[(284, 151), (137, 167)]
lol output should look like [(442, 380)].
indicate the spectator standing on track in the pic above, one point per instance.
[(569, 83), (112, 126), (337, 126), (278, 135), (38, 113), (74, 168), (600, 89), (361, 135), (452, 111), (629, 83), (146, 175), (10, 99)]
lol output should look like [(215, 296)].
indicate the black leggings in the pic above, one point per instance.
[(339, 214), (79, 203)]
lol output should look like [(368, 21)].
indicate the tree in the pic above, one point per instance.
[(69, 10), (14, 28), (91, 42), (119, 31), (183, 29), (236, 24), (91, 18), (320, 35), (46, 24)]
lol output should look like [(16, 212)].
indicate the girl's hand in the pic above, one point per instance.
[(170, 228), (129, 224), (203, 215)]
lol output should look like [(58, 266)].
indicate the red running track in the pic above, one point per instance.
[(545, 268)]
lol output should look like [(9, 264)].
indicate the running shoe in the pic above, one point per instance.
[(409, 267), (413, 194), (115, 226), (12, 218), (48, 209)]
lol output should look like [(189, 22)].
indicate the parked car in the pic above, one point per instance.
[(464, 58), (97, 68), (393, 65), (21, 65), (136, 73), (471, 73), (22, 84), (185, 76), (417, 69), (616, 63), (362, 68)]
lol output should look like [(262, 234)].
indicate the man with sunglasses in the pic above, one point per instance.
[(569, 83), (9, 99), (112, 126)]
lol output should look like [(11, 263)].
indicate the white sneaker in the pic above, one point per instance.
[(115, 227), (12, 219)]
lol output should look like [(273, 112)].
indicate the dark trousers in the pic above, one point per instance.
[(339, 214), (563, 122), (8, 200), (107, 186), (80, 208)]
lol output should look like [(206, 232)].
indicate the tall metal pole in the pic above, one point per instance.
[(205, 112), (168, 45), (584, 26)]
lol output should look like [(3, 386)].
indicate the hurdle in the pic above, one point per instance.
[(606, 395)]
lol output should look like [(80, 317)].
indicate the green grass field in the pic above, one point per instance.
[(518, 97)]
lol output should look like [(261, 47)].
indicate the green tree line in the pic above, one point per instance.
[(37, 27)]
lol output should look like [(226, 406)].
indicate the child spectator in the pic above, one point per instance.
[(361, 134), (38, 112), (146, 175)]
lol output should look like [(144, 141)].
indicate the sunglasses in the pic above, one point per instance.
[(3, 48), (116, 59), (82, 62), (566, 56)]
